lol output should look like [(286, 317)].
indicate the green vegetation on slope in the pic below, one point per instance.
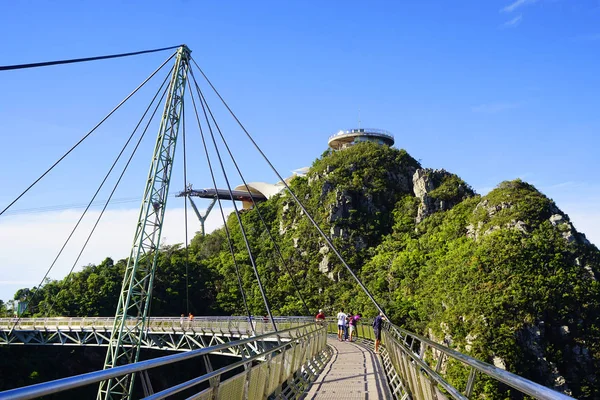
[(503, 277)]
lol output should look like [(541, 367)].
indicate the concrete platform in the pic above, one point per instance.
[(354, 372)]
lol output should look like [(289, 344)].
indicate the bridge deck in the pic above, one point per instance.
[(354, 372)]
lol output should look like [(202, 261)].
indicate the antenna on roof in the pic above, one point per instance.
[(359, 118)]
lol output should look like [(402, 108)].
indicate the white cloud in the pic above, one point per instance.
[(29, 243), (516, 4), (513, 23), (493, 108)]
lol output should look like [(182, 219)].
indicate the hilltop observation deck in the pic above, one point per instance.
[(346, 138)]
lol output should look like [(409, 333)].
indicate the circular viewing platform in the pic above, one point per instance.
[(343, 139)]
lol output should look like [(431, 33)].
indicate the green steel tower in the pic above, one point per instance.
[(136, 293)]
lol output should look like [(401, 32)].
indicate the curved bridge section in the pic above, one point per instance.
[(284, 370), (172, 334), (282, 364)]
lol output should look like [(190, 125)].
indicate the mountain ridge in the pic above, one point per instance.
[(503, 277)]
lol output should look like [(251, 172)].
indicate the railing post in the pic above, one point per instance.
[(440, 360), (470, 382), (267, 361), (248, 369), (213, 382)]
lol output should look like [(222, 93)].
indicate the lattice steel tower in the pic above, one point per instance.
[(136, 292)]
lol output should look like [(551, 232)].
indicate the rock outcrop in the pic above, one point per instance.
[(438, 190)]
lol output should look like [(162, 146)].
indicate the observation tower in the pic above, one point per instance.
[(343, 139)]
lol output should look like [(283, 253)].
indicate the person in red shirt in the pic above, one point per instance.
[(320, 316)]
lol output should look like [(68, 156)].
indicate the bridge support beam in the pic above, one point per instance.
[(202, 218)]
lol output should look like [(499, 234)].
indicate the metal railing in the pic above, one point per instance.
[(170, 334), (207, 324), (420, 363), (285, 371), (363, 131), (415, 367)]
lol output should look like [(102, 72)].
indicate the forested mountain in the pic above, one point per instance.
[(503, 277)]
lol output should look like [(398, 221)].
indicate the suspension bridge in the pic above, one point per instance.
[(281, 357)]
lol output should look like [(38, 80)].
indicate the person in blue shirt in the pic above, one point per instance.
[(377, 325)]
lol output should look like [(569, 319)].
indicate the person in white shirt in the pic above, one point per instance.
[(341, 317)]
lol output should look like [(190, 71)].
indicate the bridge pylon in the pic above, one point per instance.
[(136, 291)]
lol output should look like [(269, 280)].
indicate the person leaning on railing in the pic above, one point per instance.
[(320, 317)]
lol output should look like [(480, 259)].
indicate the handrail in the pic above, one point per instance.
[(7, 323), (396, 340), (441, 381), (521, 384), (196, 381), (59, 385)]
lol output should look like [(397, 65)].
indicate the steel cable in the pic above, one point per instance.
[(308, 215), (78, 60), (185, 216), (62, 207), (96, 194), (229, 241), (237, 214), (87, 134), (119, 179), (277, 249)]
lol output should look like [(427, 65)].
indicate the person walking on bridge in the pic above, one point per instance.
[(341, 317)]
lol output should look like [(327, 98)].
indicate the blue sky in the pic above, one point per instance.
[(490, 90)]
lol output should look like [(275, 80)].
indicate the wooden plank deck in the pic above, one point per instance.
[(354, 372)]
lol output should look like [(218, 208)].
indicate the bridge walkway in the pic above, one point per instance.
[(353, 372)]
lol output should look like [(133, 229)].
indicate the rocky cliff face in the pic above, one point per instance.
[(353, 194), (438, 190), (504, 277)]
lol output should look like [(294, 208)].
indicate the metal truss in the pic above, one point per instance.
[(136, 292), (288, 362), (169, 334)]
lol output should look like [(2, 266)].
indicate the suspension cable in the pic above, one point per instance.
[(252, 197), (87, 134), (61, 207), (185, 216), (229, 241), (118, 182), (237, 214), (78, 60), (325, 237), (96, 194)]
